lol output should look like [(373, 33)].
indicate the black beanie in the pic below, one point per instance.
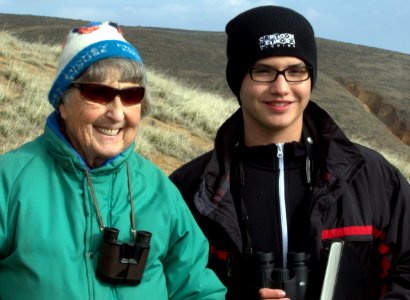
[(267, 31)]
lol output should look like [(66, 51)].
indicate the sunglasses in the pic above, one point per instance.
[(103, 94)]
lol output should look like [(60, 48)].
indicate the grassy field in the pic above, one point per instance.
[(181, 126)]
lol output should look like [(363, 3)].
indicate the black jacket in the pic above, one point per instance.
[(357, 197)]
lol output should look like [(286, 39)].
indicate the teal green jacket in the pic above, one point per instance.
[(50, 237)]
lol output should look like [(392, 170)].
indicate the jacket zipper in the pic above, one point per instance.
[(282, 203)]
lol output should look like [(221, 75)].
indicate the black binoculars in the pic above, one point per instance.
[(123, 263), (293, 280)]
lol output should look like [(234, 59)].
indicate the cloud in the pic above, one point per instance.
[(87, 13), (216, 13), (241, 4), (312, 13), (235, 2)]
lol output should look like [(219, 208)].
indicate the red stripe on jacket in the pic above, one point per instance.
[(346, 231), (222, 255)]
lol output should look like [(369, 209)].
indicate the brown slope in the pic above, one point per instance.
[(365, 89)]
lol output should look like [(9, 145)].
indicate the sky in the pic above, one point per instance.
[(382, 24)]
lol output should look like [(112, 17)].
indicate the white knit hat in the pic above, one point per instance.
[(85, 46)]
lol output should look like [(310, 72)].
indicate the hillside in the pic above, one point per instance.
[(181, 125), (366, 90)]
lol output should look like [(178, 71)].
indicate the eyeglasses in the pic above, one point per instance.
[(103, 94), (293, 74)]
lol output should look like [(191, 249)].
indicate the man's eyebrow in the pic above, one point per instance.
[(296, 65)]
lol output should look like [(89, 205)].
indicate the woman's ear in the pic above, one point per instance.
[(62, 109)]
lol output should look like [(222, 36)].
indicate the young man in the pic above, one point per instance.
[(284, 178)]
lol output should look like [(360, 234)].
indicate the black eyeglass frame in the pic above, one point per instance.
[(283, 72)]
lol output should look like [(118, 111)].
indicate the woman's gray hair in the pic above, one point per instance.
[(129, 71)]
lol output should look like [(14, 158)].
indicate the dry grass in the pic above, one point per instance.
[(182, 125), (25, 74)]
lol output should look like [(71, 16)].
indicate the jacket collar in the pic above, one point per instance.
[(337, 160), (66, 156)]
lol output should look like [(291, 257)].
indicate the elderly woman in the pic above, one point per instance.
[(82, 215)]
